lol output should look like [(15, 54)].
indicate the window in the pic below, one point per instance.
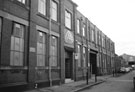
[(79, 55), (78, 26), (89, 33), (99, 39), (42, 6), (68, 19), (53, 51), (83, 29), (108, 45), (0, 33), (22, 1), (84, 56), (96, 36), (102, 42), (41, 49), (112, 47), (92, 35), (54, 10), (17, 45), (0, 29)]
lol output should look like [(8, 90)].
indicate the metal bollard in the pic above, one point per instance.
[(134, 82), (87, 78)]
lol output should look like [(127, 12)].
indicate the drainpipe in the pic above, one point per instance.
[(87, 54), (50, 76), (28, 42)]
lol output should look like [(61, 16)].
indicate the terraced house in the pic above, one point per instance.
[(49, 42)]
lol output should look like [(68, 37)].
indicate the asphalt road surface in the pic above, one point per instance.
[(123, 83)]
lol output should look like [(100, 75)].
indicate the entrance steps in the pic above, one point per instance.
[(68, 80)]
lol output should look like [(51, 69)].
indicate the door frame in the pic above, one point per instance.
[(66, 51)]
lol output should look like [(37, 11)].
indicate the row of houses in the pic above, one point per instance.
[(49, 42)]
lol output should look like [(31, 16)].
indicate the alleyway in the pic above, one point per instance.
[(123, 83)]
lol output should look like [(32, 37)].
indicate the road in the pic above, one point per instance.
[(123, 83)]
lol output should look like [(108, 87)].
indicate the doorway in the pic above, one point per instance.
[(93, 62), (68, 65)]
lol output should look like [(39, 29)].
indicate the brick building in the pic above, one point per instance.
[(49, 42)]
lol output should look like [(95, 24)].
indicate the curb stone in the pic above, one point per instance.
[(87, 86)]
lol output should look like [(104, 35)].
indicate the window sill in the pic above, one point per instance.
[(68, 28), (55, 67), (46, 67), (25, 6), (55, 22), (43, 16), (84, 37), (78, 34), (13, 67)]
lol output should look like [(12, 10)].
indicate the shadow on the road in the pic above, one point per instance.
[(119, 74)]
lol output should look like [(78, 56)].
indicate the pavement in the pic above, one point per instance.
[(73, 86)]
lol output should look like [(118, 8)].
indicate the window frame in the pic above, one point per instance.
[(84, 54), (84, 30), (56, 10), (92, 35), (99, 38), (20, 49), (102, 41), (39, 52), (0, 30), (68, 19), (54, 55), (89, 33), (96, 36), (42, 10), (79, 55), (22, 1), (0, 36), (78, 26)]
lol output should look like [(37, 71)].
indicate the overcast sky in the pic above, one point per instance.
[(115, 18)]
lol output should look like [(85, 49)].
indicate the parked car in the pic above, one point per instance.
[(122, 70), (125, 69)]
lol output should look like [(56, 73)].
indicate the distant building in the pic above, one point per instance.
[(130, 59)]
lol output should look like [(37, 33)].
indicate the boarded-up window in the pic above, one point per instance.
[(17, 45), (41, 49)]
